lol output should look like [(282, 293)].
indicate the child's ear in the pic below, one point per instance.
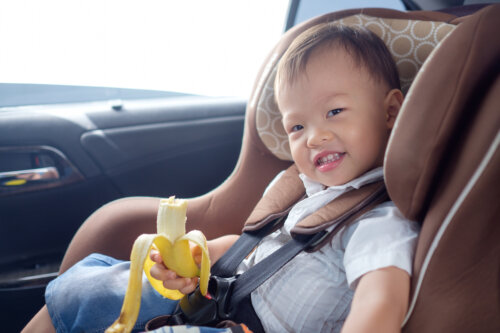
[(392, 103)]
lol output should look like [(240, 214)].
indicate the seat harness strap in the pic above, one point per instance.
[(226, 266), (259, 273), (229, 294)]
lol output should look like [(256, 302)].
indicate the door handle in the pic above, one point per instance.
[(34, 168), (21, 177)]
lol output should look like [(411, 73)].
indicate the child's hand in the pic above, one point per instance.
[(216, 248), (170, 279)]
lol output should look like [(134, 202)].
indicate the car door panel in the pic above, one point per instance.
[(183, 147), (101, 151), (167, 148)]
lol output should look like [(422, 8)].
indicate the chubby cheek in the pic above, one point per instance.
[(357, 140), (300, 157)]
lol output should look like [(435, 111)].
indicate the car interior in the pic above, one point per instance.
[(68, 172)]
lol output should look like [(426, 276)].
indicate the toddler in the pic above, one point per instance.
[(338, 92)]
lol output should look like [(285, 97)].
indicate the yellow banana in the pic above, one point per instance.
[(172, 242)]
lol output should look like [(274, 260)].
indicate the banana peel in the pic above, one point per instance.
[(172, 242)]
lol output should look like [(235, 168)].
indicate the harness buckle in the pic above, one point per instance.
[(210, 309)]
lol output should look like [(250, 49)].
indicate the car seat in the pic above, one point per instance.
[(442, 169), (441, 165)]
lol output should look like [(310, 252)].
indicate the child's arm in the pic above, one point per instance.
[(216, 248), (380, 302)]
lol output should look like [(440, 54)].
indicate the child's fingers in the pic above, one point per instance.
[(160, 272), (170, 279), (189, 286), (155, 256), (196, 253), (184, 285)]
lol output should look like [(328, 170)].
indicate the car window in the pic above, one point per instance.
[(302, 10), (53, 48)]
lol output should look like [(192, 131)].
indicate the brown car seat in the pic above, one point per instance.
[(441, 167)]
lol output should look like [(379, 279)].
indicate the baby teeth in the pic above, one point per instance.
[(330, 158)]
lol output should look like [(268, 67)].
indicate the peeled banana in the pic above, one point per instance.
[(172, 242)]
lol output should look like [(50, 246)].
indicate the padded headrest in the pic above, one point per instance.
[(410, 37)]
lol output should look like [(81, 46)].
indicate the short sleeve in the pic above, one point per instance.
[(380, 238)]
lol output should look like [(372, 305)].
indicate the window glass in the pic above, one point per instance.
[(201, 47), (311, 8)]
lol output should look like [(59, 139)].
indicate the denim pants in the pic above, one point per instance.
[(89, 296)]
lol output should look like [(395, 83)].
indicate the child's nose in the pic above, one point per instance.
[(319, 136)]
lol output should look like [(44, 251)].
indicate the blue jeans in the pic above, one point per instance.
[(89, 296)]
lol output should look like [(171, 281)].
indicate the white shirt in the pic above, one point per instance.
[(313, 292)]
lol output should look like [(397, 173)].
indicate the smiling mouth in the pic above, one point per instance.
[(329, 158)]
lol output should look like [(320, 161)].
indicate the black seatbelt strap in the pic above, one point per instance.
[(259, 273), (197, 309), (229, 294), (226, 266)]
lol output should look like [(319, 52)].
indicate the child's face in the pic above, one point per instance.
[(337, 117)]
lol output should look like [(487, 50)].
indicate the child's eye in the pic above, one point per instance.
[(296, 128), (333, 112)]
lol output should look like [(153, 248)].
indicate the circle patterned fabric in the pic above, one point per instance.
[(410, 42)]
